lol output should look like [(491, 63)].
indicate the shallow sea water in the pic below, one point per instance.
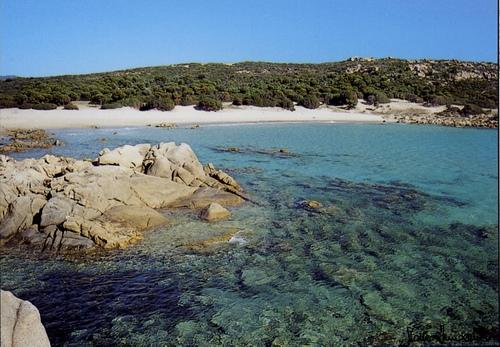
[(404, 251)]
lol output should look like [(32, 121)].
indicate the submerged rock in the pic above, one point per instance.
[(19, 140), (216, 239), (63, 204), (21, 324), (310, 204), (214, 212), (275, 152), (166, 125)]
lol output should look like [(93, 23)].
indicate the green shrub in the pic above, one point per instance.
[(413, 98), (70, 106), (376, 98), (162, 104), (45, 106), (238, 101), (165, 104), (349, 98), (21, 99), (471, 110), (450, 111), (146, 106), (97, 99), (188, 100), (26, 106), (381, 98), (208, 104), (111, 106), (60, 99), (287, 104), (309, 101), (131, 102), (438, 100), (370, 99), (85, 96), (225, 97), (257, 99), (6, 102)]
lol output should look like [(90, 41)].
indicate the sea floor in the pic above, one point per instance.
[(404, 249)]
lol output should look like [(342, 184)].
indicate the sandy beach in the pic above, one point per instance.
[(90, 116)]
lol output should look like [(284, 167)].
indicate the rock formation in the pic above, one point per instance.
[(214, 212), (62, 204), (21, 325)]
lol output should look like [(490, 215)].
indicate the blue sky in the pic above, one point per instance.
[(51, 37)]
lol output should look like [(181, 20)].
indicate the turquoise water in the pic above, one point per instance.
[(405, 250)]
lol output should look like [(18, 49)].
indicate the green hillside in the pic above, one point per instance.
[(264, 84)]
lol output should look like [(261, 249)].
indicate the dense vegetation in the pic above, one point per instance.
[(207, 86)]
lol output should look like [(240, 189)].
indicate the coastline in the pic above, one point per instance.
[(92, 117)]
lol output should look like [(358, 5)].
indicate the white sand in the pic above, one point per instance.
[(90, 116), (398, 106)]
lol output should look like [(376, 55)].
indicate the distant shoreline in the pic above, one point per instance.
[(12, 118)]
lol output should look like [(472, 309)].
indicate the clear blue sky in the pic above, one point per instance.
[(49, 37)]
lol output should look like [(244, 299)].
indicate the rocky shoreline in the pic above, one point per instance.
[(477, 121), (58, 204)]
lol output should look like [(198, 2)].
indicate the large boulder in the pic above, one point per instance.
[(20, 215), (214, 212), (126, 156), (161, 167), (178, 163), (55, 211), (183, 154), (21, 325), (71, 241), (7, 194)]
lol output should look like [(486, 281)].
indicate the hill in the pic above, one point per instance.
[(432, 82)]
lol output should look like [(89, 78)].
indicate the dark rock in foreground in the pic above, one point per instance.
[(62, 204)]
